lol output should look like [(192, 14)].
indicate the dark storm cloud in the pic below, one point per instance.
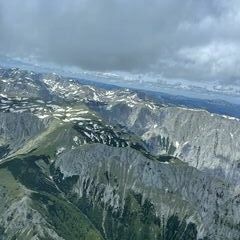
[(189, 39)]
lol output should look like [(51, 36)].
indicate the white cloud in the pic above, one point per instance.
[(216, 58)]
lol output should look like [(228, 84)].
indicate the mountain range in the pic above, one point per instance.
[(88, 161)]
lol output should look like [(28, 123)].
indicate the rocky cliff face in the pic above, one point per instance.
[(108, 175), (81, 162), (206, 141)]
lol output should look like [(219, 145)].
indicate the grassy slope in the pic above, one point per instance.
[(66, 220)]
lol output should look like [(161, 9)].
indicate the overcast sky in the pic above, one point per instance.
[(198, 40)]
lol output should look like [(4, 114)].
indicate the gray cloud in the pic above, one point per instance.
[(196, 40)]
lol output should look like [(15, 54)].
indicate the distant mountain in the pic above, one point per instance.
[(213, 100), (81, 160), (214, 106)]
